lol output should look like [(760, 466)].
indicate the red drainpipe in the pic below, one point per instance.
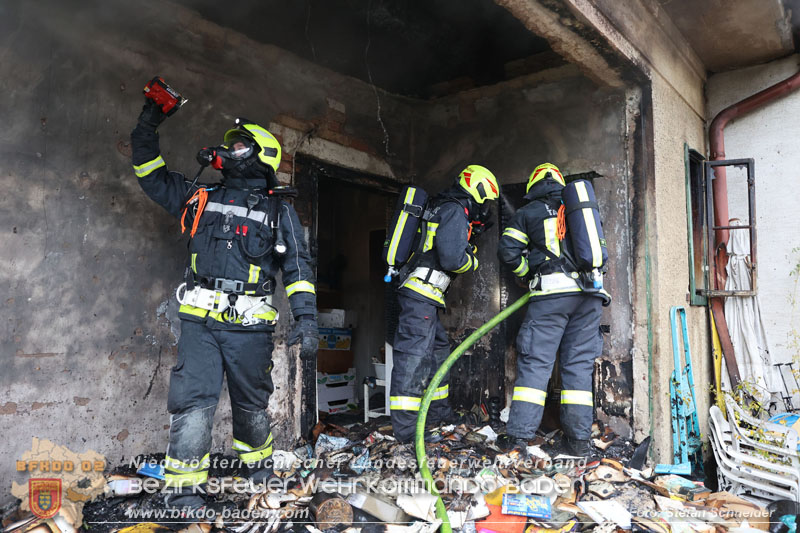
[(716, 141)]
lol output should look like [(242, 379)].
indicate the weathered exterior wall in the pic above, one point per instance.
[(768, 135), (90, 263), (677, 117), (558, 116), (674, 123), (673, 112)]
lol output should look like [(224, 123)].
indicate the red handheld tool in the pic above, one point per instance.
[(165, 96)]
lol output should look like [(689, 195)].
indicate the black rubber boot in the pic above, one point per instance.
[(260, 473), (521, 446), (464, 417), (433, 436), (578, 448), (185, 499), (506, 442), (184, 509)]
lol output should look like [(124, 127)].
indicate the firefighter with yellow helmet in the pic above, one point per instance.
[(421, 344), (563, 315), (242, 232)]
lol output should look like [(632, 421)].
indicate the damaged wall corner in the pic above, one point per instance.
[(675, 123), (95, 262), (656, 57)]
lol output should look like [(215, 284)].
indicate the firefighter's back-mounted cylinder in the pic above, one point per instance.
[(403, 229), (585, 227)]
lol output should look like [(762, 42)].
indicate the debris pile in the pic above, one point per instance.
[(361, 479)]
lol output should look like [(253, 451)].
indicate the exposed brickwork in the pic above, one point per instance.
[(291, 122), (9, 408)]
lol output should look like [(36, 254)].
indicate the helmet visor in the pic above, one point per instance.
[(240, 148)]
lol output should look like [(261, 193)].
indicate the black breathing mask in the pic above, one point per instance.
[(246, 173), (481, 218), (239, 163)]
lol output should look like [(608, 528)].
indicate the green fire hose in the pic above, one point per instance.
[(422, 458)]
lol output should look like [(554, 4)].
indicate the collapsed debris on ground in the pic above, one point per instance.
[(360, 479)]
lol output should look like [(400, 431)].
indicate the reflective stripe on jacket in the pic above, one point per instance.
[(446, 249), (533, 227), (231, 237)]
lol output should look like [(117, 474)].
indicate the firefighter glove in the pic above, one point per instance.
[(151, 116), (306, 333), (206, 156)]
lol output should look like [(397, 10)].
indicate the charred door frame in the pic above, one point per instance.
[(308, 172)]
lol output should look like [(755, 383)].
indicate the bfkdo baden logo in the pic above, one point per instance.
[(44, 496)]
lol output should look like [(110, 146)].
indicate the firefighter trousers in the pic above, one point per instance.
[(420, 347), (204, 356), (568, 324)]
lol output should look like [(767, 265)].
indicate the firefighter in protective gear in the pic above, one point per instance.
[(240, 236), (421, 344), (560, 317)]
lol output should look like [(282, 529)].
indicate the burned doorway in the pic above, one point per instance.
[(350, 213)]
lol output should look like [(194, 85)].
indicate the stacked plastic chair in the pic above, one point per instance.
[(756, 460)]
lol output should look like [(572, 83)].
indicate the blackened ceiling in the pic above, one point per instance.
[(419, 48)]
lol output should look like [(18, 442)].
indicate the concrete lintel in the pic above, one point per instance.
[(331, 152), (649, 33), (547, 22), (616, 45), (646, 36)]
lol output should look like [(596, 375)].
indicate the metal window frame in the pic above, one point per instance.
[(695, 293), (709, 167)]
